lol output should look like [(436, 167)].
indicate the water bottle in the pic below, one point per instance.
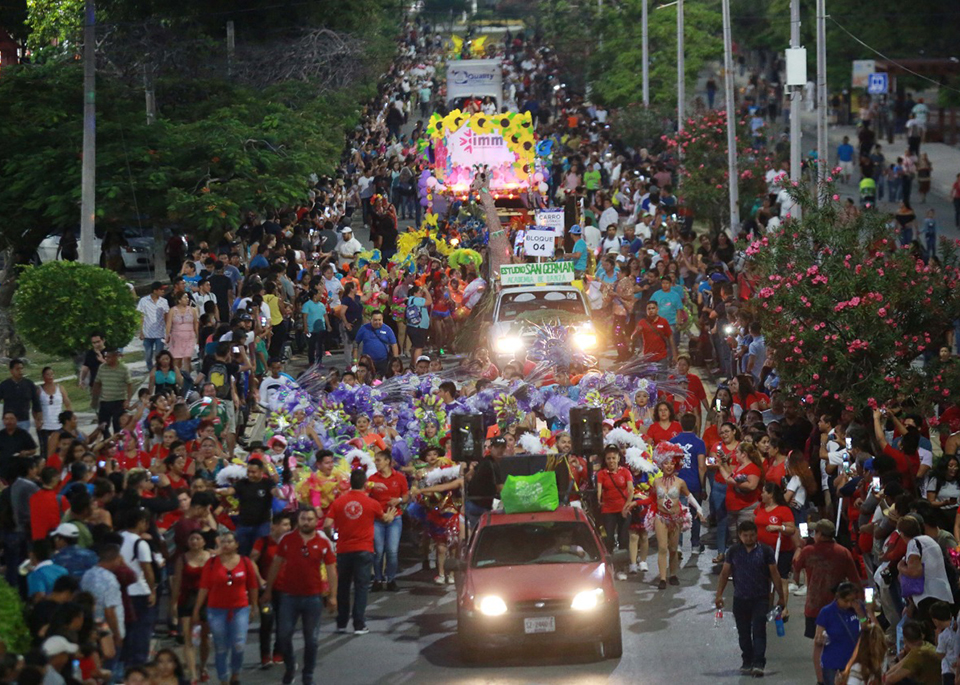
[(717, 618), (773, 613), (195, 636), (781, 629)]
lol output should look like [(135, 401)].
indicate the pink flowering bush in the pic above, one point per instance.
[(846, 311), (704, 180)]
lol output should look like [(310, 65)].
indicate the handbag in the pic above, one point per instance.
[(910, 586)]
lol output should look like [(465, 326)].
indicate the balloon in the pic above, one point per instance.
[(431, 181), (461, 313), (543, 187), (538, 177)]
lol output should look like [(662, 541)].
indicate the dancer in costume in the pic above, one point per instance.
[(667, 516), (439, 492)]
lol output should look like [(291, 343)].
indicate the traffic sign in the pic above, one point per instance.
[(877, 83)]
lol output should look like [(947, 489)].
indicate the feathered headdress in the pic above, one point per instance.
[(230, 474), (667, 451), (444, 475)]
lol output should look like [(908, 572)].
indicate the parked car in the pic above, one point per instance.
[(537, 579), (138, 253)]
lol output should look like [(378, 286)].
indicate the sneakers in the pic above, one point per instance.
[(792, 587), (643, 567), (266, 664), (662, 585), (438, 580), (746, 670), (696, 550), (361, 631), (376, 586), (621, 575), (392, 586), (633, 570), (278, 658), (757, 671), (800, 591), (451, 580), (342, 631)]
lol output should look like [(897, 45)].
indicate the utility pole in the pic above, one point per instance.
[(149, 95), (734, 177), (822, 153), (88, 173), (646, 56), (796, 96), (681, 93), (231, 47)]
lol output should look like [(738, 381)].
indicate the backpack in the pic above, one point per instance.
[(413, 314), (219, 376)]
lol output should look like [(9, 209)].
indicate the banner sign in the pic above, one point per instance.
[(532, 274)]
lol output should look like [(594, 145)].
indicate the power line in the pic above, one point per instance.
[(891, 61)]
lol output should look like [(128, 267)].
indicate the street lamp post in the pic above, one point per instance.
[(681, 72), (88, 170), (822, 154), (645, 44), (731, 122)]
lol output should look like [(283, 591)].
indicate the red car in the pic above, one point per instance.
[(537, 579)]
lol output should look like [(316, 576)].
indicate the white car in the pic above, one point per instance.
[(520, 309), (138, 254)]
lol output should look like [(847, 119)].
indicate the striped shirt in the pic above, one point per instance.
[(113, 382)]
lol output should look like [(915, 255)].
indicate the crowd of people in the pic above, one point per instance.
[(206, 497)]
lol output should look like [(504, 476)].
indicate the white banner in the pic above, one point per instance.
[(538, 243), (468, 148), (531, 274), (474, 78), (552, 219)]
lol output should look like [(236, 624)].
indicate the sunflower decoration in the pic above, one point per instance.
[(612, 407), (482, 124), (507, 410)]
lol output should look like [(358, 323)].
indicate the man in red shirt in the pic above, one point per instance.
[(44, 509), (353, 515), (827, 565), (263, 553), (389, 488), (300, 555), (655, 334)]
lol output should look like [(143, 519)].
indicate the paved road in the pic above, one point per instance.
[(668, 638)]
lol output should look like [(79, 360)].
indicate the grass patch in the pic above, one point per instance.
[(63, 368)]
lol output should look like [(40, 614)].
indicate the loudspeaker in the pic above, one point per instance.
[(466, 434), (586, 430)]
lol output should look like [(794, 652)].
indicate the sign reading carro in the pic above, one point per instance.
[(531, 274)]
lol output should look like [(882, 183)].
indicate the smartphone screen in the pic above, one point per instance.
[(804, 529), (102, 464), (875, 484), (868, 595), (236, 350), (849, 443), (717, 404)]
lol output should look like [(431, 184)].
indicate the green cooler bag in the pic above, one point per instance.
[(525, 494)]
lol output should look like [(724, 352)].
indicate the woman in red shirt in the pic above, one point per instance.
[(741, 388), (776, 462), (666, 426), (389, 488), (229, 586), (775, 525), (614, 490), (743, 479), (721, 454)]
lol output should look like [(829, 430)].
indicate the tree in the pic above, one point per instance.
[(59, 304), (704, 176), (617, 69), (846, 312)]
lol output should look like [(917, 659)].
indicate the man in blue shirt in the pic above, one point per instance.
[(692, 470), (580, 252), (754, 568), (315, 325), (670, 301), (845, 158), (377, 341)]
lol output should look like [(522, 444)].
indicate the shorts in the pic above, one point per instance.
[(810, 627), (440, 314), (231, 426), (785, 563), (846, 167), (186, 605), (418, 337)]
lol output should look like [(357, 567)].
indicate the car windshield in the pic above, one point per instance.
[(540, 542), (513, 305)]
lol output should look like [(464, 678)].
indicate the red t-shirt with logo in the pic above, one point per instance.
[(658, 433), (654, 336), (395, 485), (737, 500), (617, 486), (353, 514), (302, 560), (777, 516), (227, 588)]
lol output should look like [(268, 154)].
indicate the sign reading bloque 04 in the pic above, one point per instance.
[(532, 274)]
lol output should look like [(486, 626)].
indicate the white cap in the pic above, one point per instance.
[(57, 644), (423, 358), (67, 530)]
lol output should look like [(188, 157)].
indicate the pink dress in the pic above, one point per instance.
[(183, 339)]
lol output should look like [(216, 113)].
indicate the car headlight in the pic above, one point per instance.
[(586, 600), (585, 340), (491, 605), (509, 344)]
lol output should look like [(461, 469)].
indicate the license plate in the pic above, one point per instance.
[(541, 624)]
